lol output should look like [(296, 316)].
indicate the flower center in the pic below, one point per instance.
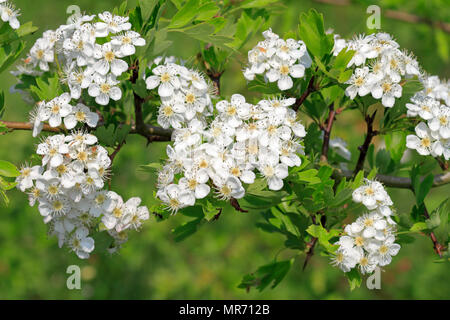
[(190, 98), (225, 190), (53, 190), (359, 81), (80, 116), (386, 87), (165, 77), (192, 184), (383, 249), (443, 120), (368, 222), (236, 171), (104, 88), (284, 70), (26, 172), (268, 171), (57, 205), (40, 54), (61, 169), (55, 109), (168, 111), (231, 110), (426, 142), (109, 56), (100, 199), (117, 212), (369, 191), (82, 156)]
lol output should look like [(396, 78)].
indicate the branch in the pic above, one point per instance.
[(311, 244), (365, 146), (436, 245), (157, 133), (235, 204), (398, 15), (310, 89), (396, 182), (327, 133)]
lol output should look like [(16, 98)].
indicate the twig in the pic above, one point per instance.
[(365, 146), (217, 216), (311, 244), (163, 134), (436, 245), (235, 204), (310, 89), (327, 133)]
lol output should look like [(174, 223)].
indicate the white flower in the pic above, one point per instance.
[(42, 53), (195, 181), (111, 24), (384, 253), (127, 42), (9, 13), (56, 109), (422, 106), (166, 77), (27, 176), (229, 188), (234, 111), (359, 83), (81, 113), (440, 121), (387, 90), (53, 149), (345, 260), (425, 142), (370, 194), (78, 80), (104, 88), (282, 72), (176, 197), (273, 171), (107, 60), (81, 243)]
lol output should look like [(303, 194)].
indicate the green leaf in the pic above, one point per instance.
[(418, 226), (185, 230), (7, 169), (47, 90), (185, 15), (354, 279), (269, 274), (309, 176), (147, 7), (424, 188), (396, 144), (312, 32)]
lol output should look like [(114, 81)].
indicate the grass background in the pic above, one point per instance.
[(211, 263)]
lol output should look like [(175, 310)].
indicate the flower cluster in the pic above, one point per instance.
[(432, 105), (370, 240), (75, 50), (184, 93), (68, 187), (9, 13), (224, 153), (278, 60), (58, 109), (380, 67)]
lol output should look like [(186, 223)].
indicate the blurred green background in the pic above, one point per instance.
[(211, 263)]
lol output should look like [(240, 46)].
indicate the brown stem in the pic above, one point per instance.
[(365, 146), (436, 245), (235, 204), (157, 133), (327, 133), (442, 164), (311, 244), (310, 89)]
